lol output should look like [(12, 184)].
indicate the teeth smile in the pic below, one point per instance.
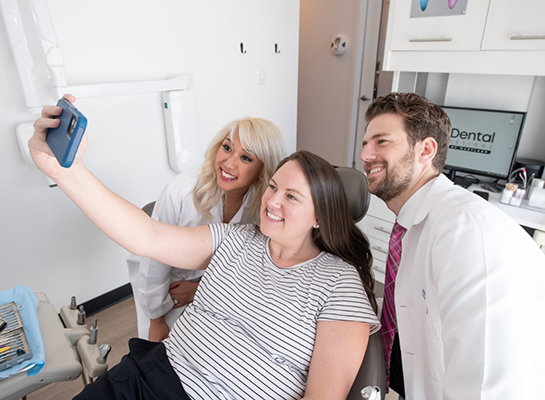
[(373, 170), (228, 176), (275, 217)]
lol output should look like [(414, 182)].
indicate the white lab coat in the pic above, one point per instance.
[(470, 299), (150, 279)]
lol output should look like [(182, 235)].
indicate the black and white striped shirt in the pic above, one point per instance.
[(249, 333)]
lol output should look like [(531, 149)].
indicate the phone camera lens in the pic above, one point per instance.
[(71, 127)]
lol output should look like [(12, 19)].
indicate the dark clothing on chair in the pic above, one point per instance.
[(143, 374), (396, 369)]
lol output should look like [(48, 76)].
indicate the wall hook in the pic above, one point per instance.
[(339, 45), (242, 48), (276, 48)]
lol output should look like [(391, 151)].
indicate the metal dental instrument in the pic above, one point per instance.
[(94, 332), (81, 316), (73, 304), (103, 353)]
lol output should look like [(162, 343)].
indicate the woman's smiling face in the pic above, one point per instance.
[(236, 168), (287, 209)]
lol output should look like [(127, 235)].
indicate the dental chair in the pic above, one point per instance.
[(373, 368), (67, 353)]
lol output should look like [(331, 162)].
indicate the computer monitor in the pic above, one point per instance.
[(483, 142)]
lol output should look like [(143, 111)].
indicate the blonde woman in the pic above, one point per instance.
[(238, 165)]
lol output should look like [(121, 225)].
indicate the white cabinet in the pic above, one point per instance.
[(453, 32), (491, 37), (515, 25), (377, 225)]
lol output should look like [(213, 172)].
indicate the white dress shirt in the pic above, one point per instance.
[(470, 299), (150, 279)]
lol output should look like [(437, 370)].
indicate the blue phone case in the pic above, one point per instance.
[(64, 140)]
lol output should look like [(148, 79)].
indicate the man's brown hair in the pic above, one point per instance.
[(422, 119)]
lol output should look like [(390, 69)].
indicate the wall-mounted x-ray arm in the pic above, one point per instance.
[(55, 61), (179, 104), (21, 54), (175, 82), (53, 54)]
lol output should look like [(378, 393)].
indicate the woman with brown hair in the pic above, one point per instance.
[(281, 311)]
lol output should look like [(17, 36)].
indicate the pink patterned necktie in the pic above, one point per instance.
[(388, 317)]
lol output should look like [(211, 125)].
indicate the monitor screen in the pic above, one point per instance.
[(483, 142)]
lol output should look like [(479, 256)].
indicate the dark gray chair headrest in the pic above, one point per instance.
[(355, 187), (148, 208)]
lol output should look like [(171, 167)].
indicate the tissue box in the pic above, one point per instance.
[(537, 199)]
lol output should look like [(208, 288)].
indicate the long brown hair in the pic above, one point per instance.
[(337, 233)]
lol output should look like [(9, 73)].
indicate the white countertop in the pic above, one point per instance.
[(524, 215)]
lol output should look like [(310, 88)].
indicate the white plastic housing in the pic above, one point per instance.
[(182, 129)]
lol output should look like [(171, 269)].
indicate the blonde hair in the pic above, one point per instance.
[(257, 135)]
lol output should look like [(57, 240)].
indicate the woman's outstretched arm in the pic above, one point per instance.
[(123, 222)]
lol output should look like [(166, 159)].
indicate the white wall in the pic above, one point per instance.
[(45, 242)]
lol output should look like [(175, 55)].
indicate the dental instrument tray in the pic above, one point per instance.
[(14, 348)]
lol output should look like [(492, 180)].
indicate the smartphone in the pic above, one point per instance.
[(64, 140)]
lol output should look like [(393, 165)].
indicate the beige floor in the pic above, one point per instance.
[(117, 325)]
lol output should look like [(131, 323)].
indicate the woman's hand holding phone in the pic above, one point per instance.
[(41, 153), (123, 222)]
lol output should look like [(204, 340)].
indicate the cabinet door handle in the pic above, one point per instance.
[(378, 269), (527, 38), (381, 229), (379, 249), (430, 40)]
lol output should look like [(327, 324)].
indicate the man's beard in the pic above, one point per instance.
[(397, 179)]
